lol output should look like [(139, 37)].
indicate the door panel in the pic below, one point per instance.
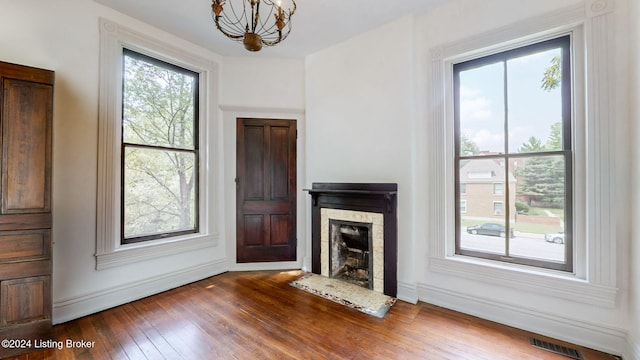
[(253, 230), (266, 194), (279, 229)]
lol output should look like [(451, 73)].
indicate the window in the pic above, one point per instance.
[(512, 115), (157, 130), (463, 188), (159, 149), (497, 207), (463, 206)]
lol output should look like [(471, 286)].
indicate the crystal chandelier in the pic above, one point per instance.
[(254, 22)]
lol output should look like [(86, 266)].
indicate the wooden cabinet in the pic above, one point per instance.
[(26, 112)]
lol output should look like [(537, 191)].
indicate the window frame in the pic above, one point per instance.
[(565, 43), (195, 151), (110, 252)]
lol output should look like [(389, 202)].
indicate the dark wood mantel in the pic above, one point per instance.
[(367, 197)]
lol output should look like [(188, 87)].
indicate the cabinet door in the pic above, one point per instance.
[(26, 147), (26, 111)]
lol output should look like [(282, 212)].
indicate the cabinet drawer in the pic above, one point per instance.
[(25, 245)]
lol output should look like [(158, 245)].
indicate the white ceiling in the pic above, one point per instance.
[(316, 24)]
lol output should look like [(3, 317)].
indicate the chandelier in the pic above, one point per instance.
[(254, 22)]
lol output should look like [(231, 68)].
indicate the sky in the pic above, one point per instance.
[(532, 110)]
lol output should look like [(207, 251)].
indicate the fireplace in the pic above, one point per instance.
[(350, 250), (354, 234)]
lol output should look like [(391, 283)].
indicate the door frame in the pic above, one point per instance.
[(228, 157)]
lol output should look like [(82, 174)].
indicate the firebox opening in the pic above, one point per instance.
[(350, 254)]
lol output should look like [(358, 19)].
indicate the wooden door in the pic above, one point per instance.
[(26, 111), (266, 190)]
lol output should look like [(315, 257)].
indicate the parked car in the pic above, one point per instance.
[(490, 229), (557, 238)]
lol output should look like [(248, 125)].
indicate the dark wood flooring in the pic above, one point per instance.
[(258, 315)]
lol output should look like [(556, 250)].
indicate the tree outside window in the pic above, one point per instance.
[(159, 149)]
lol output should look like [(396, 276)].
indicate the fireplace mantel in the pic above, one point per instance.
[(365, 197), (388, 195)]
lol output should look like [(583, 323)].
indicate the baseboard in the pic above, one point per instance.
[(608, 339), (408, 292), (633, 350), (306, 264), (76, 307), (285, 265)]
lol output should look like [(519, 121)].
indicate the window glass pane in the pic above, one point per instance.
[(481, 226), (482, 110), (535, 102), (477, 235), (159, 192), (159, 106), (514, 192), (540, 203)]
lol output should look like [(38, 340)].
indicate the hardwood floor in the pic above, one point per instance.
[(257, 315)]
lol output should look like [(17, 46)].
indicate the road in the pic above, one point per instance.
[(524, 244)]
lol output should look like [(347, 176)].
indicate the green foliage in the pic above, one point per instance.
[(468, 147), (552, 76), (542, 181), (555, 138), (534, 145), (522, 208)]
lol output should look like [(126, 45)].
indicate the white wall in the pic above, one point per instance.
[(368, 114), (634, 101), (63, 35), (360, 109), (262, 88)]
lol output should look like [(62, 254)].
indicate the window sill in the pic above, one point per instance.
[(523, 278), (134, 253)]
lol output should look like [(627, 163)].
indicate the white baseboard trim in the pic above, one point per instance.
[(286, 265), (408, 292), (306, 264), (633, 350), (76, 307), (604, 338)]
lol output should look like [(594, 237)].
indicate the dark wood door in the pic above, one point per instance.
[(266, 190), (26, 111)]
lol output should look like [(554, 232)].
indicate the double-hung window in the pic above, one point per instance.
[(513, 154), (159, 173), (157, 141)]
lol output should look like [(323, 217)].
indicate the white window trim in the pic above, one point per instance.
[(463, 209), (109, 251), (594, 280)]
